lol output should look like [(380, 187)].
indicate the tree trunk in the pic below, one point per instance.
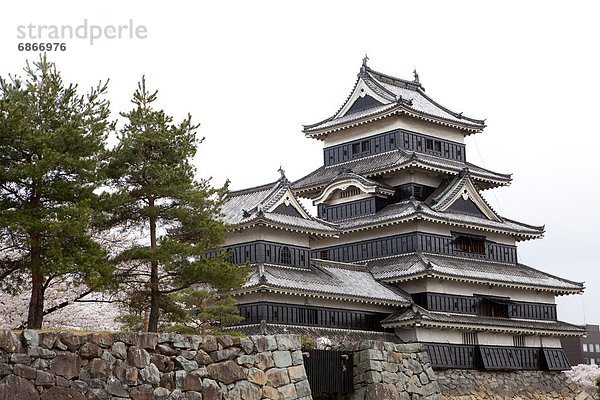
[(154, 290), (36, 302)]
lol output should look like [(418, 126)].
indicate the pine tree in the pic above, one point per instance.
[(154, 188), (51, 143)]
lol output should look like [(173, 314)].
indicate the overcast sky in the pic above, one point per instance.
[(252, 72)]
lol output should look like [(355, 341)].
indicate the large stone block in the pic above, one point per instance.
[(192, 382), (297, 357), (257, 376), (150, 375), (116, 388), (210, 390), (282, 359), (225, 340), (264, 360), (137, 357), (202, 358), (163, 363), (43, 378), (72, 340), (226, 354), (297, 373), (382, 391), (287, 392), (9, 341), (90, 350), (104, 340), (144, 392), (66, 365), (119, 350), (61, 393), (226, 372), (98, 368), (209, 344), (15, 387), (264, 343), (245, 390), (20, 358), (146, 340), (31, 338), (277, 377), (39, 352), (303, 388), (24, 371), (187, 365)]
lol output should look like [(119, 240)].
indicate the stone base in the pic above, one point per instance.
[(459, 384)]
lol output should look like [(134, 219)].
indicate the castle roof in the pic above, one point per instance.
[(413, 210), (416, 315), (275, 205), (413, 266), (376, 95), (325, 279), (393, 161)]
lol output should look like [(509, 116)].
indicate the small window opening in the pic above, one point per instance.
[(285, 255)]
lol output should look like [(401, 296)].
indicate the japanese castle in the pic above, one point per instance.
[(404, 246)]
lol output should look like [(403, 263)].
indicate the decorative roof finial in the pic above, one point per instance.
[(416, 80), (283, 178), (365, 60)]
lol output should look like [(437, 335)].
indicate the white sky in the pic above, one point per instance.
[(253, 72)]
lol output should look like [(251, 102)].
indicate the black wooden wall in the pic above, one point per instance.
[(408, 243), (269, 252), (396, 139)]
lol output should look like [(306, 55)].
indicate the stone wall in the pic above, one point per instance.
[(144, 366), (460, 384), (389, 371)]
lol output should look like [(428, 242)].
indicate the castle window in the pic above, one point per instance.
[(433, 145), (353, 191), (470, 338), (519, 341), (361, 147), (585, 348), (493, 307), (470, 244), (324, 255), (285, 255)]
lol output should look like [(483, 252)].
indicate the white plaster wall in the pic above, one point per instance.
[(404, 177), (467, 289), (439, 335), (495, 339), (268, 234), (391, 123)]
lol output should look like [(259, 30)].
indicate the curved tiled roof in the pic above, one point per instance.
[(414, 266), (402, 96), (249, 207), (416, 314), (397, 160), (412, 210), (326, 279)]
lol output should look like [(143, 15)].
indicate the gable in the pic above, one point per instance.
[(466, 206), (287, 209), (363, 103)]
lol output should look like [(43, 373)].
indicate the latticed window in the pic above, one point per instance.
[(470, 338), (519, 341), (285, 255), (469, 244), (353, 191)]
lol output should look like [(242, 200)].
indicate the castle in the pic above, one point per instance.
[(404, 246)]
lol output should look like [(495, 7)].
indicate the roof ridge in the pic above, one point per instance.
[(260, 188)]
